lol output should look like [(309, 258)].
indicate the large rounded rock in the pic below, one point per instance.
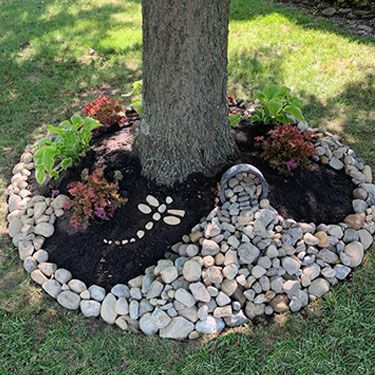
[(108, 309), (319, 287), (69, 300), (248, 253), (44, 229), (178, 329), (210, 247), (192, 270), (210, 325), (354, 252), (147, 326), (90, 308), (200, 292), (252, 310), (184, 297)]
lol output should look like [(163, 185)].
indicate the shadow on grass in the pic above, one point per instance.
[(50, 53), (245, 10)]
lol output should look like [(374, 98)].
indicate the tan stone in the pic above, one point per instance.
[(355, 221)]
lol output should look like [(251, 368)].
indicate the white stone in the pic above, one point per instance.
[(90, 308), (149, 225), (29, 264), (184, 297), (144, 208), (336, 163), (162, 208), (77, 286), (178, 329), (108, 309), (44, 229), (156, 216), (14, 202), (15, 227), (248, 253), (39, 209), (291, 265), (38, 277), (69, 300), (25, 249), (152, 201), (122, 306), (354, 251), (180, 213), (59, 202), (169, 200), (47, 268), (62, 275), (40, 256), (122, 323), (140, 234), (210, 325), (146, 325), (160, 318), (192, 270), (52, 287), (97, 292), (319, 287), (169, 274), (122, 290), (199, 292), (365, 238), (171, 220)]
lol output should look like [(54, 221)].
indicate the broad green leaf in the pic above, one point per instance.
[(271, 90), (295, 111), (48, 159), (40, 175), (275, 106), (55, 130), (66, 163), (234, 119)]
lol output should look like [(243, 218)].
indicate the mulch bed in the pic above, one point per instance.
[(320, 195)]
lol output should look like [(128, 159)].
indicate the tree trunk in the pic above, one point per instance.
[(184, 122)]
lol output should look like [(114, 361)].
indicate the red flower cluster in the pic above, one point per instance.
[(94, 197), (106, 110), (286, 147)]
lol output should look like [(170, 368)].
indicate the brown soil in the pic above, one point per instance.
[(320, 195)]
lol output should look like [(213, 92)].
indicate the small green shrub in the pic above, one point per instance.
[(136, 95), (277, 106), (69, 143)]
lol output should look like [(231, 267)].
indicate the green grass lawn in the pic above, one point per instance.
[(46, 73)]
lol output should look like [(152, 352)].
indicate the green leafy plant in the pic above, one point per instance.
[(286, 147), (234, 119), (277, 106), (69, 142), (136, 95), (93, 197)]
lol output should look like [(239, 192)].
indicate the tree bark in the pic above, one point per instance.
[(184, 121)]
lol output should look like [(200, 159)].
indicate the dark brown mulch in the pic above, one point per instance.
[(319, 195)]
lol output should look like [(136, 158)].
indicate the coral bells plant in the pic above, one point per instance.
[(94, 197), (106, 110), (286, 147)]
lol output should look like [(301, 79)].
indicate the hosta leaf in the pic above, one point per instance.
[(40, 175), (295, 111)]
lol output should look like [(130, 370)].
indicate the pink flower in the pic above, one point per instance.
[(100, 213), (291, 164)]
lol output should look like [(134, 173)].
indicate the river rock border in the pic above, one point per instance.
[(242, 261)]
